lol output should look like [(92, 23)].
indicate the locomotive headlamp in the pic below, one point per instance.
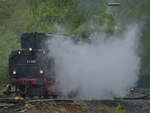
[(41, 71), (14, 72), (19, 52), (30, 49)]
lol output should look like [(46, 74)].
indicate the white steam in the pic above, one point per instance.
[(105, 68)]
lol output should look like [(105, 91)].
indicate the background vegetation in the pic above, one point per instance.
[(76, 17)]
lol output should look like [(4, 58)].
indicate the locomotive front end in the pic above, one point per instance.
[(30, 69)]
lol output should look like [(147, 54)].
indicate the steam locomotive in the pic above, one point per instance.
[(31, 71)]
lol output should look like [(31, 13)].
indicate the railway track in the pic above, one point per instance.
[(13, 105), (25, 101), (93, 106), (136, 102), (29, 100), (7, 102), (16, 100)]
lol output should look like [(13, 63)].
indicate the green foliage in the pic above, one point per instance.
[(75, 17), (63, 12), (119, 109), (13, 18), (6, 10), (145, 40), (127, 13), (110, 23), (71, 14)]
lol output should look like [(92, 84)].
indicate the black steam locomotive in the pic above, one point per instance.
[(31, 71)]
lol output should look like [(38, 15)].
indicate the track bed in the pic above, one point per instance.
[(10, 105)]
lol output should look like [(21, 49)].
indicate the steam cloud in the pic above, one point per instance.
[(104, 68)]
